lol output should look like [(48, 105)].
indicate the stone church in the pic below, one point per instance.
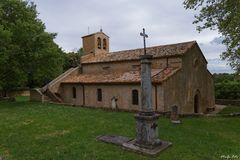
[(112, 79)]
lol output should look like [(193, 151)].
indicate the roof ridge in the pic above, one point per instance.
[(167, 50), (164, 45)]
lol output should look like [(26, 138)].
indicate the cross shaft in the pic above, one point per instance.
[(144, 40)]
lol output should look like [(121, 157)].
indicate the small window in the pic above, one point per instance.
[(99, 95), (135, 97), (99, 43), (74, 94), (104, 44), (196, 62)]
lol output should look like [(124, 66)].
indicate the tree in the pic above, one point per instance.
[(224, 16), (72, 59), (28, 54)]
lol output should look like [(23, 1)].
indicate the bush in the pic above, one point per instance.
[(227, 86), (227, 90)]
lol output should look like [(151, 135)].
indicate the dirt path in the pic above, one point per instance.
[(218, 108)]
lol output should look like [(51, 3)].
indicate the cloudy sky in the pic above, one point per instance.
[(166, 22)]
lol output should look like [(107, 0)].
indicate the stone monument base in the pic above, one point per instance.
[(131, 146)]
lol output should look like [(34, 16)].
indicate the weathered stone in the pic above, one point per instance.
[(175, 115), (131, 146), (114, 103), (146, 84), (147, 131), (147, 141)]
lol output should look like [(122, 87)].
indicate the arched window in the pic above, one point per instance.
[(135, 97), (104, 44), (74, 94), (99, 43), (99, 95)]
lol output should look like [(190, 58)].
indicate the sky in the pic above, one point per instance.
[(165, 21)]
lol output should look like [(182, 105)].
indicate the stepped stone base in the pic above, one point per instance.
[(131, 146)]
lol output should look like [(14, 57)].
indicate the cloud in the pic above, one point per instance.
[(212, 49), (219, 66), (165, 21), (122, 20), (217, 40)]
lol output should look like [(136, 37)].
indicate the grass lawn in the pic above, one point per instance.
[(230, 109), (31, 130)]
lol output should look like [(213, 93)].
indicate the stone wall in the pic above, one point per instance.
[(36, 95), (159, 98), (227, 102), (130, 65), (174, 62), (19, 93), (110, 67), (173, 92), (67, 94), (24, 92), (90, 43), (54, 85), (196, 79), (192, 79), (123, 93)]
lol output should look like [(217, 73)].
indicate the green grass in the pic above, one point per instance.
[(22, 98), (31, 130), (230, 109)]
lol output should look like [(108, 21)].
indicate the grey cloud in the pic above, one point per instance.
[(213, 48), (165, 22), (217, 40), (218, 66)]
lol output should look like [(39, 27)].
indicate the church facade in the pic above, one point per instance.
[(112, 79)]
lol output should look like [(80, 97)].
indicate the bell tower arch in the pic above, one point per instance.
[(96, 43)]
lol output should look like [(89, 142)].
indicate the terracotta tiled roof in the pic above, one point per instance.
[(158, 76), (157, 51)]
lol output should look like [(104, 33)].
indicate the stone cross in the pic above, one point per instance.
[(144, 40), (146, 82), (147, 139)]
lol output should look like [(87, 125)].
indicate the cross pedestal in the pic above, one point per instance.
[(147, 140), (147, 131)]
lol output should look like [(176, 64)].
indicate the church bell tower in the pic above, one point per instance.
[(96, 43)]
